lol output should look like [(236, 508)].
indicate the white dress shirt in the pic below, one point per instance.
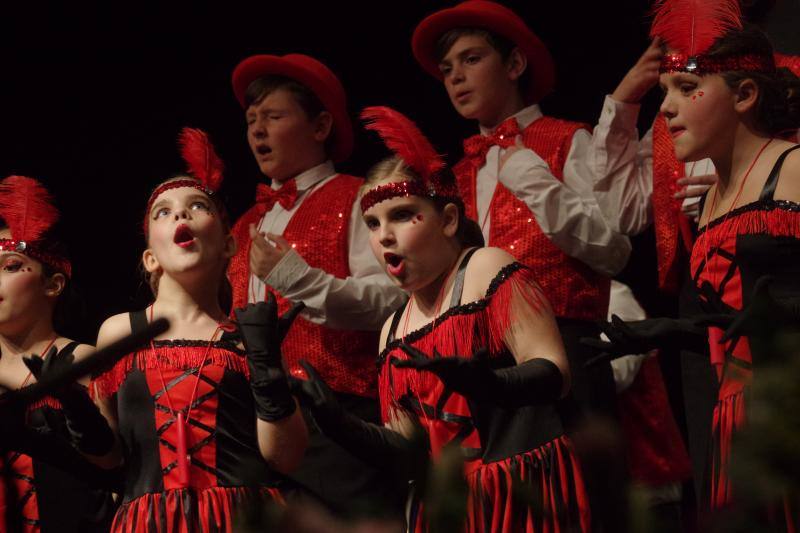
[(567, 212), (362, 301), (623, 168)]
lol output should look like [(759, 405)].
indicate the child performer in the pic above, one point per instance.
[(726, 100), (297, 127), (34, 271), (203, 424), (474, 359), (523, 177)]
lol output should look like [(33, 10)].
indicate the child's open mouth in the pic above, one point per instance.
[(394, 263), (183, 236)]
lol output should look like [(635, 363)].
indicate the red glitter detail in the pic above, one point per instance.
[(573, 289), (667, 217), (702, 65), (344, 358), (56, 261), (381, 193), (700, 93)]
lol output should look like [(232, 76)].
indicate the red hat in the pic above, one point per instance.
[(497, 19), (314, 75)]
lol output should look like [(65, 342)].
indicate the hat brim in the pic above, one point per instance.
[(497, 19), (330, 92)]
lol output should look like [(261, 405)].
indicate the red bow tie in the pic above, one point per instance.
[(504, 135), (266, 196)]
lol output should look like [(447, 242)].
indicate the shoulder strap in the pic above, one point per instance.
[(458, 284), (768, 192), (138, 320), (395, 322)]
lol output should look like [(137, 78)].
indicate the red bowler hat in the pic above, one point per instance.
[(497, 19), (314, 75)]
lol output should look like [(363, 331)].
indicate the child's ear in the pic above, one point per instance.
[(516, 64), (149, 261), (450, 220), (746, 95), (230, 246), (323, 125), (55, 284)]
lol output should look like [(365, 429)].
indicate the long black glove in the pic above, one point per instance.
[(262, 334), (375, 445), (641, 336), (537, 381), (88, 429)]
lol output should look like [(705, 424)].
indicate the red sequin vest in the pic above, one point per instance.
[(318, 231), (573, 289), (672, 228)]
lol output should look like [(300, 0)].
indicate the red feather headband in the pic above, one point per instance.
[(202, 162), (404, 138), (28, 211), (691, 27)]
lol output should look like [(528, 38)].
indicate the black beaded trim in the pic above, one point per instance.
[(462, 309), (196, 343), (759, 205)]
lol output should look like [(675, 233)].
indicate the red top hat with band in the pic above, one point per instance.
[(497, 19), (314, 75)]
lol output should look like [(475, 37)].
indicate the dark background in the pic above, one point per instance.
[(92, 99)]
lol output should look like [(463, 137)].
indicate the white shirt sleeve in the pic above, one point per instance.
[(567, 212), (362, 301), (622, 167)]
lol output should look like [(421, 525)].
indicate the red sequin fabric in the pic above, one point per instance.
[(667, 215), (702, 64), (318, 232), (573, 289)]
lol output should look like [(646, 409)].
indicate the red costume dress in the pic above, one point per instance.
[(729, 255), (502, 447), (40, 497), (226, 469)]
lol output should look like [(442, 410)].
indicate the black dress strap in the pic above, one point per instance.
[(458, 284), (138, 320), (768, 192), (395, 322)]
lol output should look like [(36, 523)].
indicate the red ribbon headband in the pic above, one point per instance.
[(55, 261), (702, 64)]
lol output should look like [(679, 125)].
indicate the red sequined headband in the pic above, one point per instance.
[(702, 64), (404, 189), (174, 184), (55, 261)]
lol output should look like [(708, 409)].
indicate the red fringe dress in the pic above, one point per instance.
[(729, 255), (226, 469), (505, 449)]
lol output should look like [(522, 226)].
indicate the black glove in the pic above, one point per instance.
[(262, 333), (88, 429), (375, 445), (641, 336), (537, 381)]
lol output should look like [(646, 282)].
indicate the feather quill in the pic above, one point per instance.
[(692, 26), (26, 207), (201, 159), (404, 138)]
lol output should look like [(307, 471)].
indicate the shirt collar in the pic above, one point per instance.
[(308, 178), (525, 117)]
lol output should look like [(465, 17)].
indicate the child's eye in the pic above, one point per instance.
[(687, 88), (12, 265), (403, 214), (445, 69), (200, 205), (161, 212), (471, 60), (371, 223)]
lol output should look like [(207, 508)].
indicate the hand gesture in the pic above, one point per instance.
[(53, 363), (641, 77), (471, 377), (314, 393), (262, 331), (263, 255)]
